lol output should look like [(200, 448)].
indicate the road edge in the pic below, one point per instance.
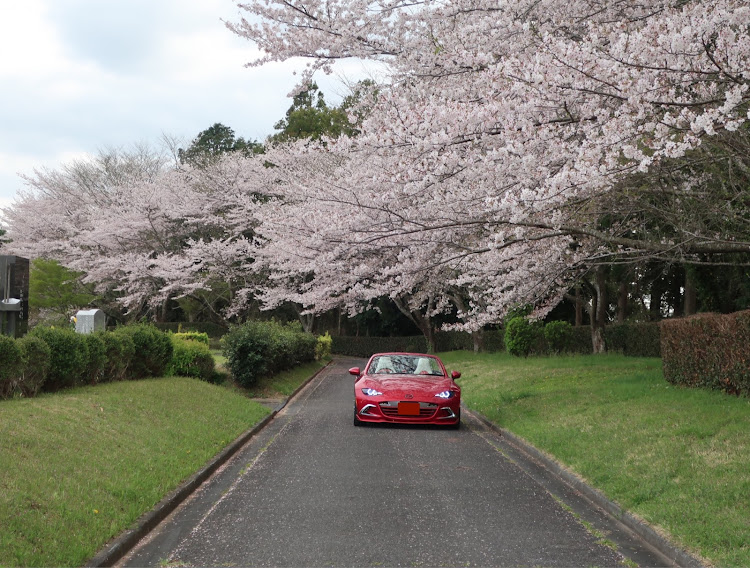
[(116, 549), (677, 555)]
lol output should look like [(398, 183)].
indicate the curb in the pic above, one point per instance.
[(676, 555), (124, 543)]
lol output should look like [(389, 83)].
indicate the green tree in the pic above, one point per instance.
[(310, 117), (57, 289), (213, 142)]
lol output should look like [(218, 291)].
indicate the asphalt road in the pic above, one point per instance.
[(313, 490)]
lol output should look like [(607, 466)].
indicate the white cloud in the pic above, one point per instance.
[(81, 75)]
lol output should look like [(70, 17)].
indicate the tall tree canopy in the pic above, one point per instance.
[(212, 143), (55, 288), (310, 118), (519, 143), (514, 147)]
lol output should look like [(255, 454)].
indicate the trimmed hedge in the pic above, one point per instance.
[(366, 346), (192, 358), (260, 348), (120, 351), (634, 339), (52, 359), (631, 339), (193, 336), (69, 357), (559, 336), (37, 358), (11, 363), (153, 351), (97, 357), (213, 330), (709, 351)]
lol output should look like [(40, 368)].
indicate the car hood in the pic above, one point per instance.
[(395, 384)]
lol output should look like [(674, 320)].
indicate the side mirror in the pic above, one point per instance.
[(455, 375), (354, 371)]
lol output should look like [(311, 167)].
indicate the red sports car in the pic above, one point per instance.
[(408, 388)]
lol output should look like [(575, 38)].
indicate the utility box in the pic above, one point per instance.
[(14, 296), (89, 321)]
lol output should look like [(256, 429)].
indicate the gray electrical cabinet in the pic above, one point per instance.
[(14, 296), (88, 321)]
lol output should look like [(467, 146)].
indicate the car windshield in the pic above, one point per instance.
[(405, 365)]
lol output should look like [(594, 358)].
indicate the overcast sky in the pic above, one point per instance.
[(77, 76)]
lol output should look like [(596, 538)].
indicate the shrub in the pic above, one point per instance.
[(68, 357), (323, 347), (360, 346), (214, 330), (257, 349), (708, 350), (246, 349), (292, 346), (453, 341), (193, 336), (191, 359), (634, 339), (521, 336), (97, 357), (36, 356), (153, 351), (10, 366), (119, 350), (559, 336)]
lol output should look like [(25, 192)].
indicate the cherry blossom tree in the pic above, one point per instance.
[(513, 147), (149, 235), (518, 143)]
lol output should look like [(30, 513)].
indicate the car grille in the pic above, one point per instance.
[(426, 409)]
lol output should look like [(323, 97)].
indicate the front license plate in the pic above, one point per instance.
[(408, 408)]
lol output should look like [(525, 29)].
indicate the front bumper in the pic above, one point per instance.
[(392, 411)]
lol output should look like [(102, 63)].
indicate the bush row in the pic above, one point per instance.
[(50, 359), (260, 348), (631, 339), (213, 330), (360, 346), (708, 350)]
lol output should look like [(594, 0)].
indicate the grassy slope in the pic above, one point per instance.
[(77, 468), (678, 458)]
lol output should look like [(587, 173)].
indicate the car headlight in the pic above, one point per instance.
[(445, 394), (371, 392)]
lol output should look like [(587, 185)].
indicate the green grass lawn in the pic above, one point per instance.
[(678, 458), (79, 467)]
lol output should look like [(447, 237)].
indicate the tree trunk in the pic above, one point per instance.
[(691, 295), (654, 308), (422, 321), (308, 322), (477, 338), (599, 312), (579, 306), (622, 302)]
